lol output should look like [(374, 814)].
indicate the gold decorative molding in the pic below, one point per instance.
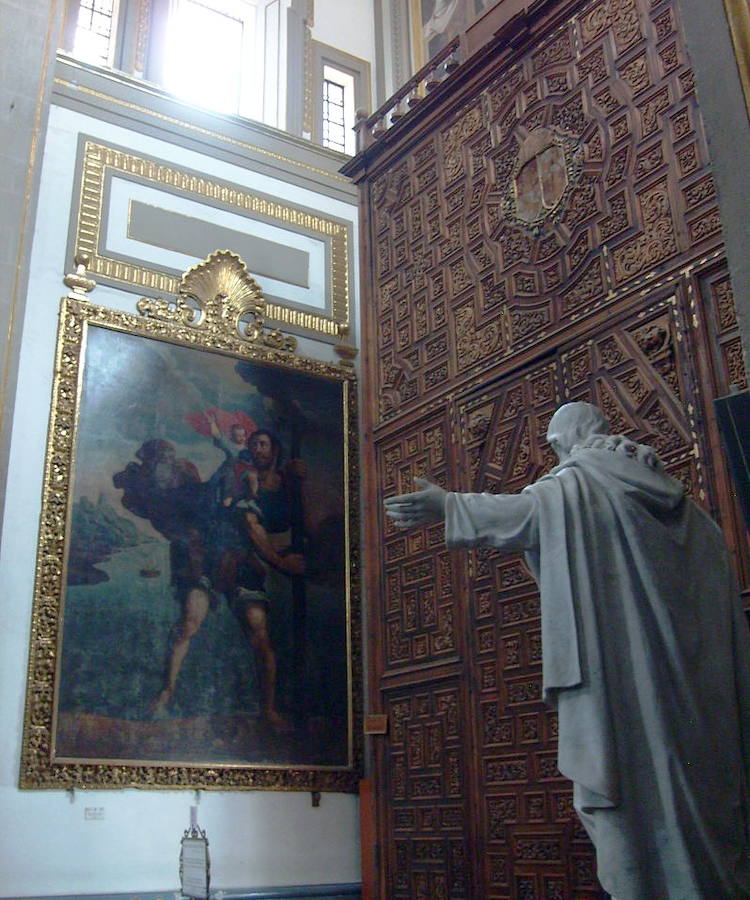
[(142, 36), (738, 16), (308, 111), (346, 353), (219, 297), (77, 281), (99, 159)]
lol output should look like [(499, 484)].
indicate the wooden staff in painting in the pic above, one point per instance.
[(288, 417), (299, 600)]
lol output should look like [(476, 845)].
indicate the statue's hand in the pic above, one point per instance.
[(418, 508)]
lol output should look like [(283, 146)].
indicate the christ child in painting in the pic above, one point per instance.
[(233, 471)]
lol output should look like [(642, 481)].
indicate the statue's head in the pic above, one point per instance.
[(572, 424)]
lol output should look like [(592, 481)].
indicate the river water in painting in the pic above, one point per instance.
[(117, 635)]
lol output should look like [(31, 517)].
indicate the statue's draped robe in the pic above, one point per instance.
[(646, 657)]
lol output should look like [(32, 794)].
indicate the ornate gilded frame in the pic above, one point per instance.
[(420, 55), (99, 160), (219, 310), (738, 16)]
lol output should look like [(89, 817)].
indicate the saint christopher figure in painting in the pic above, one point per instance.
[(218, 545)]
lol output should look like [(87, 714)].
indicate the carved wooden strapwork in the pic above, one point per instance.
[(227, 303), (548, 193), (499, 284)]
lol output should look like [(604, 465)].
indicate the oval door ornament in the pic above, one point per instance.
[(547, 169)]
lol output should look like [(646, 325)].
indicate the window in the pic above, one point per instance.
[(93, 40), (334, 115), (252, 58), (211, 54), (340, 86), (338, 110)]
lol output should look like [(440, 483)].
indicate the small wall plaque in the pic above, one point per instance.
[(194, 861), (376, 724)]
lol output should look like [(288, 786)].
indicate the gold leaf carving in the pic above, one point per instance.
[(98, 160), (226, 302)]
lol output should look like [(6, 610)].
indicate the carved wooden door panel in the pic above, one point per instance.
[(636, 368), (639, 373), (720, 352), (545, 230), (423, 787), (530, 842), (502, 824)]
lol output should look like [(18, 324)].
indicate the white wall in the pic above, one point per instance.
[(257, 838), (348, 25)]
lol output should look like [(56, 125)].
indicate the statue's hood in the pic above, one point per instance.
[(636, 466)]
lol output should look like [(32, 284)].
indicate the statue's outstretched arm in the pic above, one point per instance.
[(418, 508)]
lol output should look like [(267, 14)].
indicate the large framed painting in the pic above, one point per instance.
[(738, 16), (196, 605), (434, 23)]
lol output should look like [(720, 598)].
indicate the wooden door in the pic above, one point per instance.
[(531, 843), (542, 229)]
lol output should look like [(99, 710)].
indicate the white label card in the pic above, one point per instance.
[(195, 867)]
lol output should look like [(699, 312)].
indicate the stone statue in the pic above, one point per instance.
[(646, 655)]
